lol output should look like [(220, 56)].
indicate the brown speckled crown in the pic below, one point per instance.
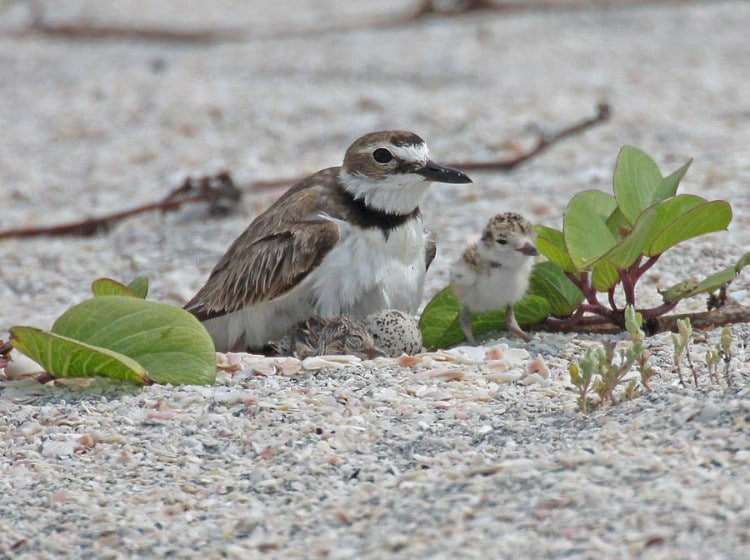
[(508, 222)]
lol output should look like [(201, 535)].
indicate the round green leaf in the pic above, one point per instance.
[(550, 282), (110, 287), (139, 286), (587, 236), (167, 341), (636, 177), (530, 310), (650, 225), (64, 357), (604, 275), (699, 220), (638, 183), (437, 317), (440, 325), (551, 243)]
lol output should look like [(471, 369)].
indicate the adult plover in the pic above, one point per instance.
[(325, 337), (494, 272), (345, 241)]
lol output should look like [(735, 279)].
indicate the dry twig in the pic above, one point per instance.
[(705, 320), (426, 9), (221, 193)]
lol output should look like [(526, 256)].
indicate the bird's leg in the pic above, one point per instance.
[(512, 324), (465, 319)]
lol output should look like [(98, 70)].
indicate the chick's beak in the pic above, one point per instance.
[(374, 352), (528, 249), (441, 174)]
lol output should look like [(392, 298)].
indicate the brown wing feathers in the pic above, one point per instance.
[(273, 254), (273, 265)]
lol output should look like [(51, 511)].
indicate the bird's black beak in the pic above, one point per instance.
[(528, 249), (441, 174)]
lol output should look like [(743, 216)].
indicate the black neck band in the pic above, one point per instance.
[(367, 217)]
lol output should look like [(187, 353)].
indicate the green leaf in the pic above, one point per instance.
[(550, 282), (704, 218), (636, 179), (670, 183), (551, 243), (587, 236), (617, 224), (139, 286), (550, 292), (638, 183), (64, 357), (529, 311), (437, 316), (678, 291), (649, 225), (110, 287), (663, 225), (604, 276), (167, 341), (742, 262), (710, 284), (441, 328)]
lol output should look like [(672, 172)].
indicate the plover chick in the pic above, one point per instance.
[(494, 272), (347, 241), (334, 336), (394, 332)]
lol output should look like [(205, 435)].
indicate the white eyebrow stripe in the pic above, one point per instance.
[(411, 152)]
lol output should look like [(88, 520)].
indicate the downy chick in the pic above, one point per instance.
[(494, 272)]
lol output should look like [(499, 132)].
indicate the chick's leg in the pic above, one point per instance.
[(512, 324), (465, 319)]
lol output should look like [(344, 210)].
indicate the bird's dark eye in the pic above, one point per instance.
[(381, 155), (502, 241)]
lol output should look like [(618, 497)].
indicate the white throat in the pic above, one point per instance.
[(396, 194)]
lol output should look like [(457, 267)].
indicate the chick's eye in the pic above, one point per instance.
[(501, 241), (381, 155)]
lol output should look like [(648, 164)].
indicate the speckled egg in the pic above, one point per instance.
[(395, 332)]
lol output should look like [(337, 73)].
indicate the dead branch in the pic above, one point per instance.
[(544, 142), (93, 31), (426, 9), (218, 191), (705, 320), (222, 194)]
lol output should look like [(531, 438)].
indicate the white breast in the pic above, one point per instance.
[(367, 272), (493, 288), (364, 273)]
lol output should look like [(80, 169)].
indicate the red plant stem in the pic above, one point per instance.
[(648, 264), (658, 310), (611, 297), (561, 323), (582, 282), (573, 319), (633, 267), (627, 285), (595, 309)]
